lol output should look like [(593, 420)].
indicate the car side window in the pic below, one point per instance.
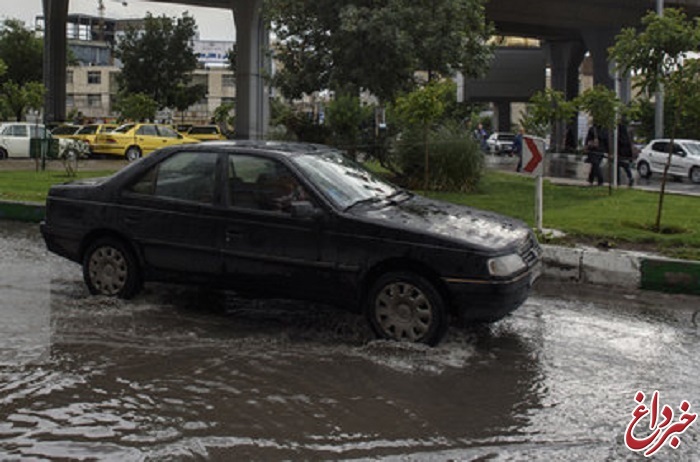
[(259, 183), (88, 130), (147, 130), (19, 130), (661, 146), (184, 176), (167, 132)]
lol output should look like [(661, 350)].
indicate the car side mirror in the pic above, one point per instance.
[(305, 209)]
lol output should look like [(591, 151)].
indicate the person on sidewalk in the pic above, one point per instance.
[(596, 148), (518, 148), (625, 154)]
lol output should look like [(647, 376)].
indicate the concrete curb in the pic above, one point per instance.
[(620, 268), (586, 265), (22, 211)]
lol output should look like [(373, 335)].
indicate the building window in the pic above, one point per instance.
[(94, 100), (228, 80), (70, 102), (94, 77), (69, 77)]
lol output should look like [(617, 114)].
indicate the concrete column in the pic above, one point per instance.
[(503, 115), (55, 43), (565, 59), (252, 95), (598, 40)]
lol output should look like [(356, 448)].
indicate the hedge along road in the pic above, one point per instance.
[(180, 373)]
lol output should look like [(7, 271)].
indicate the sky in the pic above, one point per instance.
[(213, 23)]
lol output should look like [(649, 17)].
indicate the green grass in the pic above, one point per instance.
[(31, 186)]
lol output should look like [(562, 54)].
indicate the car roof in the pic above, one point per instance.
[(681, 140), (284, 148)]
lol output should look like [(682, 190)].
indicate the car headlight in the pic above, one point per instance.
[(506, 265)]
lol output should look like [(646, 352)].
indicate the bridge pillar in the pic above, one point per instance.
[(252, 95), (503, 116), (598, 40), (565, 58), (55, 43)]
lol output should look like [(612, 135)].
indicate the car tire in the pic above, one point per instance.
[(695, 175), (3, 154), (133, 153), (644, 170), (111, 268), (404, 306)]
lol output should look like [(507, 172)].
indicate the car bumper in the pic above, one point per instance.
[(64, 244), (488, 300)]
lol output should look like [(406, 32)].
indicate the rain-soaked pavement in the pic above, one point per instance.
[(185, 375)]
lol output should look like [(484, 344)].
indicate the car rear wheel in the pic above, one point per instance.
[(110, 268), (404, 306), (695, 175), (133, 153), (644, 170), (3, 154)]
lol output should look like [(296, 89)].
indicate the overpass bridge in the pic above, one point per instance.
[(568, 28)]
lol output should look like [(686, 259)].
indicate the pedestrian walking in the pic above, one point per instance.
[(596, 148), (518, 148), (625, 154)]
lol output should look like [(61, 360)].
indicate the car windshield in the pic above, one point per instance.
[(342, 180), (692, 148)]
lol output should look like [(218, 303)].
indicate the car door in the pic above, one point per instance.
[(268, 248), (170, 212), (147, 138), (658, 155), (17, 140)]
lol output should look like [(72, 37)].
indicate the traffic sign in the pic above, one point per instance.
[(533, 155)]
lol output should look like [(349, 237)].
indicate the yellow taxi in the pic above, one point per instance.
[(206, 132), (89, 132), (134, 140)]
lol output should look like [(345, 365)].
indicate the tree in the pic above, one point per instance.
[(224, 116), (550, 109), (657, 54), (421, 108), (158, 61), (17, 99), (137, 107), (375, 45), (22, 52), (346, 116), (184, 96)]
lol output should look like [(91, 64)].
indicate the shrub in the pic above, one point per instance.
[(455, 160)]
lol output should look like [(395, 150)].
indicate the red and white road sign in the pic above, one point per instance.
[(533, 155)]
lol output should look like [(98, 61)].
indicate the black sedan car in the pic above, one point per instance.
[(293, 221)]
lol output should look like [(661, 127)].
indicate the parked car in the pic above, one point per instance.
[(88, 133), (64, 131), (135, 140), (296, 221), (205, 133), (685, 159), (500, 143), (15, 141)]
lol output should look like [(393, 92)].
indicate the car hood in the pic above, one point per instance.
[(449, 222)]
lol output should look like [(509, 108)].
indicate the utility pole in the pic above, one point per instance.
[(659, 96)]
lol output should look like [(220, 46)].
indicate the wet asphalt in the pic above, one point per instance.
[(184, 374)]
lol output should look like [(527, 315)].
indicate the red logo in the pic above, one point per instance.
[(663, 429)]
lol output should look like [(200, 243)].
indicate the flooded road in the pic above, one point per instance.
[(189, 375)]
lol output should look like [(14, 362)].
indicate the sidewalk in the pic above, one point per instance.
[(585, 265)]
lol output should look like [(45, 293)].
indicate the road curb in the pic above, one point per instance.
[(22, 211), (620, 268)]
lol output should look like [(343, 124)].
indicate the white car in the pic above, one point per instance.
[(15, 141), (500, 143), (685, 160)]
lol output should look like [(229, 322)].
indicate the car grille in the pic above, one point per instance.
[(530, 251)]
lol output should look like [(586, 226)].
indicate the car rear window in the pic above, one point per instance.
[(203, 131)]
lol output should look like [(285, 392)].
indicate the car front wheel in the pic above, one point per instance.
[(3, 154), (644, 170), (695, 175), (404, 306), (110, 268), (133, 153)]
